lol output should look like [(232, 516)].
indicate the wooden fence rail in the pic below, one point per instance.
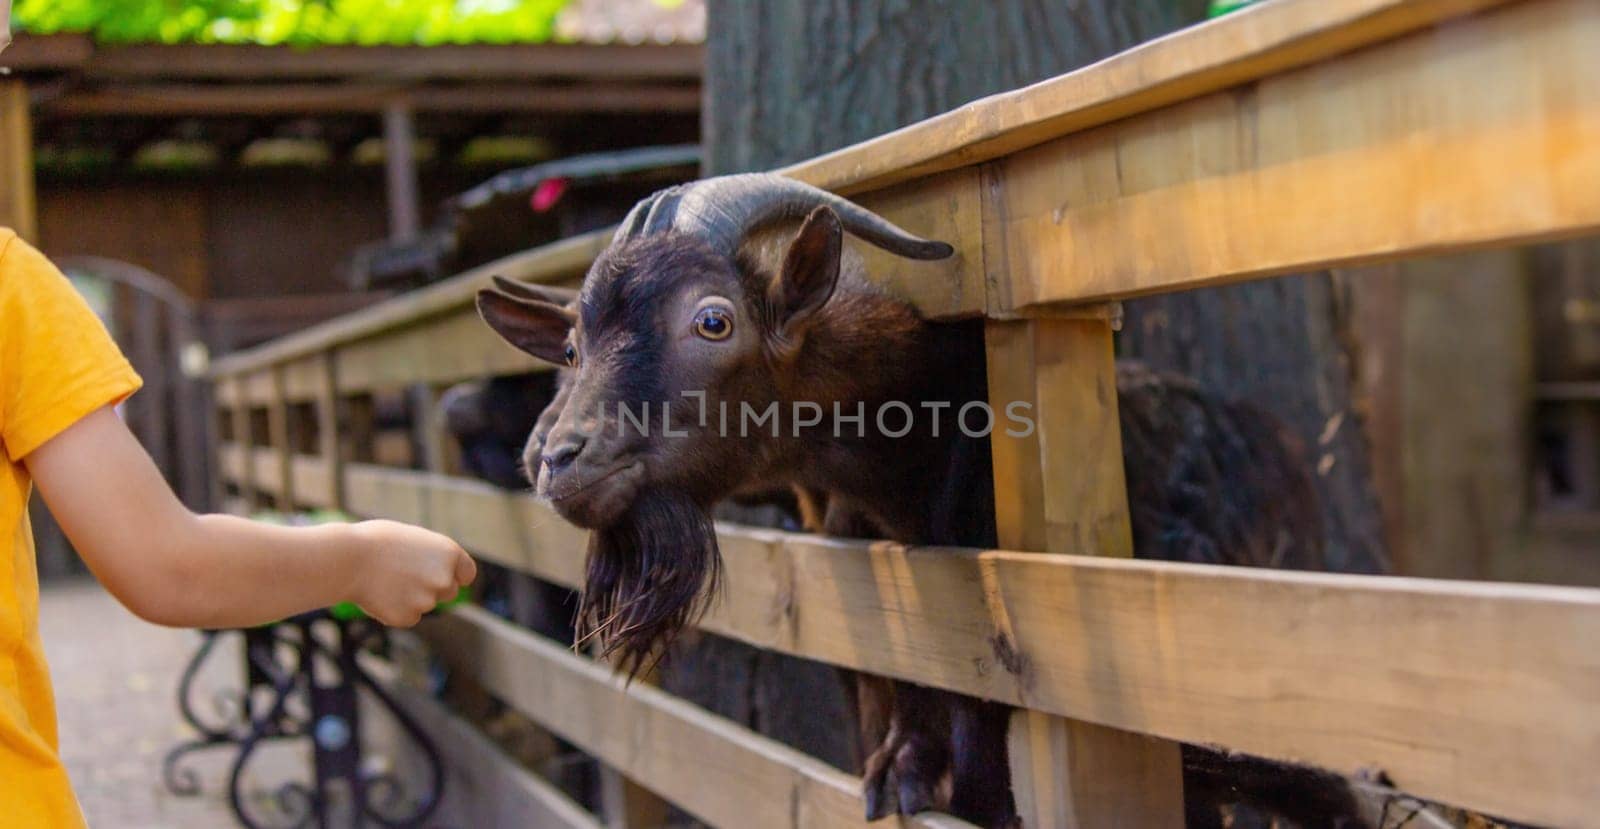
[(1299, 134)]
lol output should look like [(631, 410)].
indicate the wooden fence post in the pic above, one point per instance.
[(1061, 489), (329, 447), (624, 804), (191, 405), (244, 439), (278, 439), (436, 450), (17, 205)]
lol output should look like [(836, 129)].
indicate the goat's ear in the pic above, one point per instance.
[(537, 327), (810, 270)]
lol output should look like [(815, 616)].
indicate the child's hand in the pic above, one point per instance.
[(404, 571)]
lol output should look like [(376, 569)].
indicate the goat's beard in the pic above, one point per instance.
[(648, 575)]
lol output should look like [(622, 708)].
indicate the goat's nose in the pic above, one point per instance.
[(558, 457)]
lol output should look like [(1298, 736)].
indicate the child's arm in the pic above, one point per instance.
[(173, 567)]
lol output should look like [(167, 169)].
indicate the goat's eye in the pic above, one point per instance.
[(572, 356), (713, 323)]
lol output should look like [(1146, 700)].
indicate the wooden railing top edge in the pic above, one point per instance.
[(547, 263), (1243, 46)]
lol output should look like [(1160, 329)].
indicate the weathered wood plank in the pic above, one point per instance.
[(628, 805), (311, 481), (1334, 163), (718, 771), (1059, 487), (1481, 695), (624, 803), (1071, 773), (483, 785), (310, 477), (442, 349), (256, 387), (225, 391), (231, 462), (510, 529), (302, 379), (262, 472), (946, 207)]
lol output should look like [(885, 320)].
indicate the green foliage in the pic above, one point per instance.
[(294, 22)]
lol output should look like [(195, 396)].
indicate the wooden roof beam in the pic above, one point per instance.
[(472, 62), (49, 53)]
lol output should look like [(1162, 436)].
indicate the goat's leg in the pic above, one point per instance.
[(980, 762), (905, 729), (872, 698), (908, 771)]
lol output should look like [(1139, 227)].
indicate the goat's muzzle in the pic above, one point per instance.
[(589, 495)]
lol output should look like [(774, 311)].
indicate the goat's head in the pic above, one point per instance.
[(672, 329)]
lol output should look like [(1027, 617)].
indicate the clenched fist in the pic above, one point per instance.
[(403, 571)]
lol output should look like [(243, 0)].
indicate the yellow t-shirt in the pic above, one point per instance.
[(57, 364)]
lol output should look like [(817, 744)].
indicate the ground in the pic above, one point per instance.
[(115, 678)]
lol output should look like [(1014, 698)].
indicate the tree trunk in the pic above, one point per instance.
[(786, 80)]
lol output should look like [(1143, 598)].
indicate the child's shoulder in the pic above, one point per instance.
[(20, 260), (9, 243), (29, 282)]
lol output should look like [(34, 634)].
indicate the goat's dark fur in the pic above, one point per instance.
[(1211, 481), (1208, 480), (647, 577)]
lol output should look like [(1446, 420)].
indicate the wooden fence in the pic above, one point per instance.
[(1296, 135)]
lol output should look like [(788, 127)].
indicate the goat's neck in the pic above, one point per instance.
[(870, 349)]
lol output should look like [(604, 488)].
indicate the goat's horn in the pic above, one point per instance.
[(724, 210)]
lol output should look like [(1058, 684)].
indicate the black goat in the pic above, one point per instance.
[(677, 339)]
